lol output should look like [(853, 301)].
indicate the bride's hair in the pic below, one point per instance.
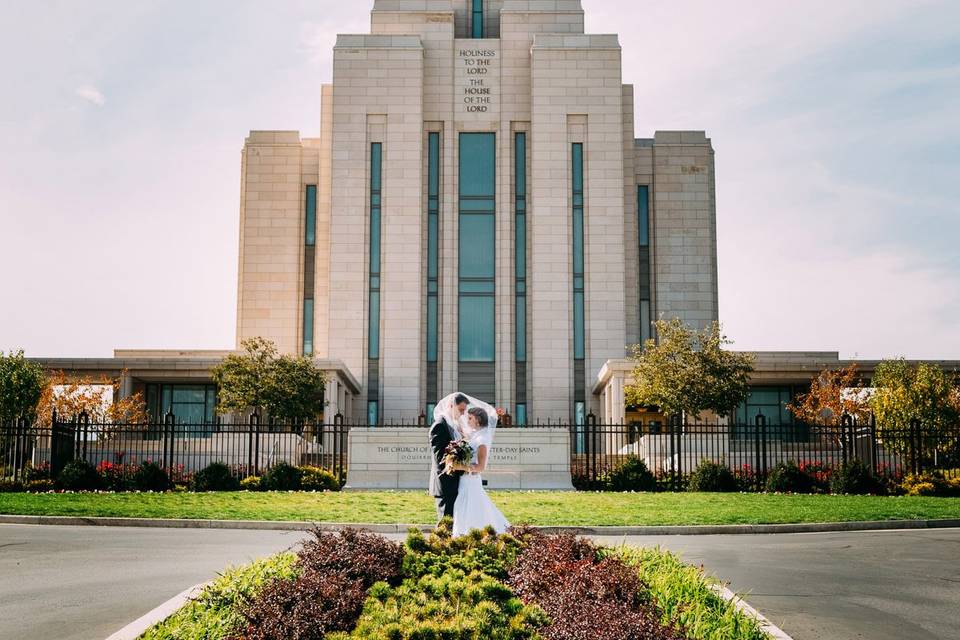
[(482, 418)]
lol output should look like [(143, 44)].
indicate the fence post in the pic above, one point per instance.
[(255, 421), (17, 430), (54, 443), (674, 452), (85, 430), (760, 448), (846, 438), (914, 446), (875, 464), (591, 433), (168, 420)]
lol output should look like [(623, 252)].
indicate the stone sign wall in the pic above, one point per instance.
[(397, 458)]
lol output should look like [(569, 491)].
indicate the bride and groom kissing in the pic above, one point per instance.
[(459, 419)]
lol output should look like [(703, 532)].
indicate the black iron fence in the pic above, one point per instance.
[(670, 451), (248, 447)]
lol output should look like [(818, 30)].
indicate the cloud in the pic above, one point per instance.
[(91, 94)]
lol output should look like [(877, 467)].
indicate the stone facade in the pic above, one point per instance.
[(418, 72)]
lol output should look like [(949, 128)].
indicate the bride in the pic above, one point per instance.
[(473, 508)]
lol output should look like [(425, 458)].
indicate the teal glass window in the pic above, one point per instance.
[(477, 335), (770, 402), (580, 421), (191, 404), (373, 413), (645, 270), (476, 19), (643, 215), (520, 248), (308, 327), (373, 328), (310, 226), (477, 247), (579, 316), (521, 417), (433, 240)]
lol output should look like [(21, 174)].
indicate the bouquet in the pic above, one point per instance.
[(457, 452)]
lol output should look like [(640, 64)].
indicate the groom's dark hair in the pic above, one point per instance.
[(461, 399)]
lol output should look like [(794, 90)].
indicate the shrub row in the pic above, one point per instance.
[(80, 475), (787, 477)]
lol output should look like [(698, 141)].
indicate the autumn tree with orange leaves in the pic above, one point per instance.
[(70, 397), (834, 393)]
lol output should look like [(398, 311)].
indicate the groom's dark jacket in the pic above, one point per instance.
[(445, 486)]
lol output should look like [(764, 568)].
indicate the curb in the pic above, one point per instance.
[(699, 530), (136, 628), (772, 630)]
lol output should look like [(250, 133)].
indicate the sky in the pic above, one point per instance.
[(836, 126)]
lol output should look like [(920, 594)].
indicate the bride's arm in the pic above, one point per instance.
[(481, 460)]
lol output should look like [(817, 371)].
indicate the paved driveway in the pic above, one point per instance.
[(890, 585), (83, 583)]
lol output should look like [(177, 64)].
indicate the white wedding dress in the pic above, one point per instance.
[(473, 508)]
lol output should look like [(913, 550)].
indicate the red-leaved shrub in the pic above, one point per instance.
[(585, 597), (354, 554), (307, 608), (337, 569)]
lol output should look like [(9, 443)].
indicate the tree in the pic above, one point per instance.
[(689, 371), (70, 397), (21, 384), (926, 393), (279, 386), (833, 394)]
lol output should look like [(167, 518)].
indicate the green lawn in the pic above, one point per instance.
[(537, 508)]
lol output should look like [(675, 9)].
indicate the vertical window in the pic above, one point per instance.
[(477, 247), (309, 266), (520, 211), (579, 313), (645, 271), (310, 228), (520, 271), (373, 329), (578, 262), (308, 327), (476, 19), (373, 322), (432, 390), (433, 237)]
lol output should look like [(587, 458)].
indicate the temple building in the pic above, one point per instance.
[(476, 213)]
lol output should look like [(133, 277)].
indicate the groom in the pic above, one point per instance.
[(444, 486)]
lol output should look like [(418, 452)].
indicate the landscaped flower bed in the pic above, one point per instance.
[(524, 585)]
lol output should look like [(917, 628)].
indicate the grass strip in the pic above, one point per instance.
[(686, 596), (215, 613), (543, 508)]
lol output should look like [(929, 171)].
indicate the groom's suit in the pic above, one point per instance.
[(444, 487)]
